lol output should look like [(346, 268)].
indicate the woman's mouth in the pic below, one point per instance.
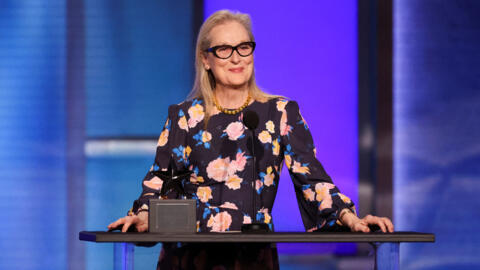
[(236, 70)]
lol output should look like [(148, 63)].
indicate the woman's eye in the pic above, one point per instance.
[(223, 48)]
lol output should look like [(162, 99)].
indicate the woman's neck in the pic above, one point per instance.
[(231, 98)]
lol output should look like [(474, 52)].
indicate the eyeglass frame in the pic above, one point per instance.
[(234, 48)]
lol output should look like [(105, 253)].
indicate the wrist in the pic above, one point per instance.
[(142, 215), (348, 218)]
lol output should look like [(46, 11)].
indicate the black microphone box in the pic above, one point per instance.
[(172, 216)]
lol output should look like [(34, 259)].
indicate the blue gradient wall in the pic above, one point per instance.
[(437, 131), (139, 59), (32, 135)]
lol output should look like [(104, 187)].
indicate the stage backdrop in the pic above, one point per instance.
[(308, 53), (437, 131), (32, 135), (139, 59), (131, 59)]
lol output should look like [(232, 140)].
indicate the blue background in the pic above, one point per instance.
[(437, 131), (138, 58)]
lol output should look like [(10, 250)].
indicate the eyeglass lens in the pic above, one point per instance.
[(225, 51)]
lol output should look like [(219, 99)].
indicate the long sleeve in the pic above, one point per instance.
[(171, 144), (319, 200)]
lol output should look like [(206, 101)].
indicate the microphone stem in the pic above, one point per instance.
[(254, 169)]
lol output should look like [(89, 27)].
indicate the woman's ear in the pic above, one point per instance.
[(205, 61)]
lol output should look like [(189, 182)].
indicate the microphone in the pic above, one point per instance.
[(250, 120)]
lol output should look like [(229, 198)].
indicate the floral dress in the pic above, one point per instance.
[(220, 157)]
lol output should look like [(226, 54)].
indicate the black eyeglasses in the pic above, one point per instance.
[(225, 51)]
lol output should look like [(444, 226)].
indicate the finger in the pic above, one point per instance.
[(112, 225), (376, 220), (364, 229), (381, 224), (389, 224), (116, 223), (126, 225), (142, 228), (369, 219), (129, 221), (361, 227)]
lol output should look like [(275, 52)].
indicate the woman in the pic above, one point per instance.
[(206, 135)]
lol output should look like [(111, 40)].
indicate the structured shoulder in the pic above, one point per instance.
[(283, 103), (187, 104), (184, 106)]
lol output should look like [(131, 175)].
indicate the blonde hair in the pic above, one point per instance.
[(204, 84)]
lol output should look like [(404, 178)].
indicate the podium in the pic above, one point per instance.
[(386, 245)]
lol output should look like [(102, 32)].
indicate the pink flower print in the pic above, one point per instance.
[(220, 222), (323, 187), (275, 147), (234, 182), (270, 126), (247, 219), (344, 198), (195, 179), (235, 130), (268, 181), (196, 114), (309, 195), (238, 164), (298, 168), (229, 205), (206, 136), (154, 183), (288, 161), (258, 185), (268, 218), (163, 138), (218, 168), (186, 152), (326, 203), (204, 194), (210, 221), (268, 178), (266, 214), (281, 105), (265, 137), (182, 123), (284, 128), (323, 194)]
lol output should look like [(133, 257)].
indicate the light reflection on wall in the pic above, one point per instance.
[(32, 135), (436, 131)]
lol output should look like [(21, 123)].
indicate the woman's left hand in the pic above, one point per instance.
[(361, 224)]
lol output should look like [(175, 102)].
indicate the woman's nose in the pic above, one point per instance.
[(235, 58)]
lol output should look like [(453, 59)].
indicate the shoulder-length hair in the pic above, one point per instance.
[(204, 84)]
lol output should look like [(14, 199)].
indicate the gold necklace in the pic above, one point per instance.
[(231, 111)]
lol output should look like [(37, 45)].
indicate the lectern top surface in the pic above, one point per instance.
[(276, 237)]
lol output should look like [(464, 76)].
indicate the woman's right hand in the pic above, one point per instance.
[(140, 221)]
